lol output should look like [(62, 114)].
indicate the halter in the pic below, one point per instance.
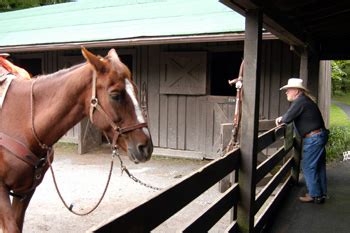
[(94, 104)]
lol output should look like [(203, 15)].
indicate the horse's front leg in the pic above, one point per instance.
[(7, 218), (19, 207)]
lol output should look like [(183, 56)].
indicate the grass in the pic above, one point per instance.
[(344, 99), (339, 138), (338, 117)]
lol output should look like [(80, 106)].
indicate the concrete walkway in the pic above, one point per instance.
[(331, 217)]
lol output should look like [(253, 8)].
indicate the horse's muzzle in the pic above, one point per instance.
[(141, 151)]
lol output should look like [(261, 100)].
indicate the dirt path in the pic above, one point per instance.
[(82, 179)]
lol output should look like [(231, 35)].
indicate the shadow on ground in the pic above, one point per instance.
[(330, 217)]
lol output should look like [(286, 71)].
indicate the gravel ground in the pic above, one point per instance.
[(82, 178)]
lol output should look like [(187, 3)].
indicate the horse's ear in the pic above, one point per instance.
[(94, 60), (113, 54)]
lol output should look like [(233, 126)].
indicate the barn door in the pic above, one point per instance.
[(217, 110), (183, 73), (84, 133)]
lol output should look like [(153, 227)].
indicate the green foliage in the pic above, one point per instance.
[(9, 5), (339, 138), (338, 117), (340, 77), (338, 143), (338, 72)]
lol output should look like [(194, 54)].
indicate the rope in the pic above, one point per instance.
[(70, 207), (42, 145)]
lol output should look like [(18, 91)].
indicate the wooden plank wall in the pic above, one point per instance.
[(184, 122), (192, 123), (278, 65)]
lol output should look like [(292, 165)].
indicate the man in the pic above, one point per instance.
[(309, 124)]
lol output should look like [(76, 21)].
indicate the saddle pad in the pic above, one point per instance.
[(5, 82)]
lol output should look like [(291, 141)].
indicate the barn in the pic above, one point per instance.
[(181, 54)]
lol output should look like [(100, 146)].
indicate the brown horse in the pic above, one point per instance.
[(37, 113)]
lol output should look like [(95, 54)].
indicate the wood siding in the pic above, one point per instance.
[(191, 122)]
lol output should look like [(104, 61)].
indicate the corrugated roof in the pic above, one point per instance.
[(105, 20)]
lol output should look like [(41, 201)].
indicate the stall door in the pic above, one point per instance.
[(215, 111)]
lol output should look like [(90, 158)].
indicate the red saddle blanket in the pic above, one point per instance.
[(8, 72)]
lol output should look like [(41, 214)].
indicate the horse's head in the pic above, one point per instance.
[(114, 107)]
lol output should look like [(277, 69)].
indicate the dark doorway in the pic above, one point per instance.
[(224, 66), (32, 65), (127, 60)]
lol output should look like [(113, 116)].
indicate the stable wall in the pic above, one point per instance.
[(184, 116)]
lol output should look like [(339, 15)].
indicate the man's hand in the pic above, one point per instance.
[(278, 121)]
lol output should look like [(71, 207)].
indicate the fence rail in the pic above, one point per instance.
[(170, 201), (155, 211)]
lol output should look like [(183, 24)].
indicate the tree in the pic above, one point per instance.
[(340, 77), (11, 5)]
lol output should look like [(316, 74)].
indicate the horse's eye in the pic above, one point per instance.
[(116, 96)]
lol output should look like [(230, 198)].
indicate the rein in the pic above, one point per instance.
[(94, 104), (118, 131)]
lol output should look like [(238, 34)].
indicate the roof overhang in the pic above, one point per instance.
[(319, 26), (133, 42)]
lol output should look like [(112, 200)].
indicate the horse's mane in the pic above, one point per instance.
[(60, 72)]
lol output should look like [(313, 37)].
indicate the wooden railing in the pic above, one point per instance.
[(155, 211), (283, 178)]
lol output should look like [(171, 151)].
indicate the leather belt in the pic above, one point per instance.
[(316, 131)]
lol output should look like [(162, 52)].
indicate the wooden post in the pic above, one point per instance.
[(309, 71), (304, 68), (313, 76), (324, 89), (250, 117)]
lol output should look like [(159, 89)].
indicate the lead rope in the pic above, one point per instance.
[(42, 145), (144, 112), (49, 151), (131, 176), (70, 207)]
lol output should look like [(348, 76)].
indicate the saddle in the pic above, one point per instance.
[(5, 82), (8, 72)]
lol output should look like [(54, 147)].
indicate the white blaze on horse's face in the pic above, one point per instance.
[(131, 92)]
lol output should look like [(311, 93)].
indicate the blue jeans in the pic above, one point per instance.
[(314, 164)]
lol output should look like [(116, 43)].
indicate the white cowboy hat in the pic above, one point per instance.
[(4, 55), (294, 83)]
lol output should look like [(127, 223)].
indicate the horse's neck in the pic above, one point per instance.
[(59, 103)]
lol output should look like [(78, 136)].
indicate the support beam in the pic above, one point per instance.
[(304, 71), (314, 69), (309, 71), (250, 123), (277, 25), (324, 91)]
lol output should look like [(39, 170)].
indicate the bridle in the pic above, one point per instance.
[(118, 131)]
